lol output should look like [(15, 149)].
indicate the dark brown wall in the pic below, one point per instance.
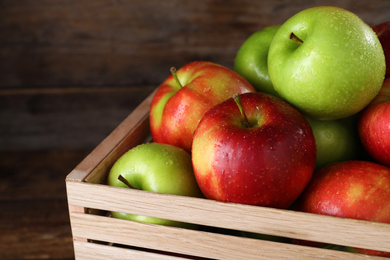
[(72, 70)]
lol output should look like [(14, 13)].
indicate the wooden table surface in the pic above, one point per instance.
[(34, 220), (71, 71)]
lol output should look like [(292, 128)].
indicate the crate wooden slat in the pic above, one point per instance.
[(194, 243), (225, 215), (89, 198), (103, 252)]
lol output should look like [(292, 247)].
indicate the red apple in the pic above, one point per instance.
[(260, 151), (383, 32), (350, 189), (186, 95), (374, 126)]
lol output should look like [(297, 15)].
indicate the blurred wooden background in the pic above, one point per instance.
[(70, 71)]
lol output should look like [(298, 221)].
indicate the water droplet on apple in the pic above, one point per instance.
[(169, 162)]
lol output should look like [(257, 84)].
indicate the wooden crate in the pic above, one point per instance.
[(98, 236)]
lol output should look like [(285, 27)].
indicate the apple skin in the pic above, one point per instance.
[(350, 189), (155, 167), (251, 59), (336, 140), (175, 110), (337, 70), (374, 126), (383, 32), (268, 164)]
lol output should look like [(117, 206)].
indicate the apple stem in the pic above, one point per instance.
[(173, 72), (293, 37), (237, 99), (122, 179)]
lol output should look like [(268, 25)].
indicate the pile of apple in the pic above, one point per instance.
[(302, 122)]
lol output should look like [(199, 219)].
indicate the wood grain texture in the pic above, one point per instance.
[(35, 229), (104, 252), (36, 174), (34, 219), (127, 43), (196, 243), (283, 223), (63, 118)]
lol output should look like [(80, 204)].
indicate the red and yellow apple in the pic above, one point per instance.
[(185, 96), (259, 151), (374, 126), (350, 189)]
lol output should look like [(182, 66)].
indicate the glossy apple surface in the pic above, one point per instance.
[(176, 109), (268, 163), (158, 168), (383, 32), (334, 66), (336, 140), (251, 59), (374, 126), (350, 189)]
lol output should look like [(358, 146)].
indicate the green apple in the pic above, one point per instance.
[(327, 62), (336, 140), (155, 167), (251, 59)]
